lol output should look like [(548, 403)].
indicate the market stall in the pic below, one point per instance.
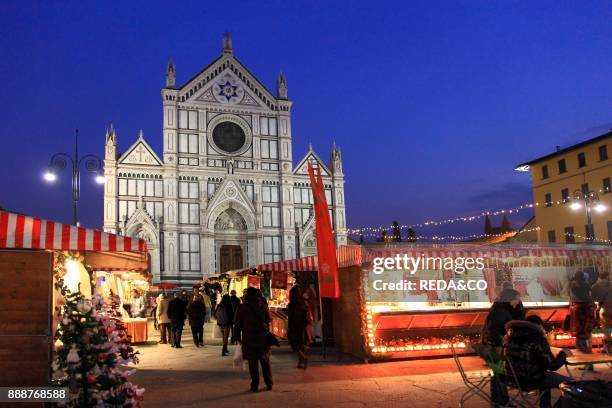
[(426, 321), (32, 251)]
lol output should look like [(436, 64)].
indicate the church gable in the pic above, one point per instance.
[(228, 89), (312, 158), (140, 153), (227, 82)]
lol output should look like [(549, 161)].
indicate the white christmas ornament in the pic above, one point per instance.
[(73, 356), (84, 305)]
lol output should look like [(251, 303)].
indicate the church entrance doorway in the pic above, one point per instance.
[(231, 258)]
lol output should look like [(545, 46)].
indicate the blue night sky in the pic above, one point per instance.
[(432, 103)]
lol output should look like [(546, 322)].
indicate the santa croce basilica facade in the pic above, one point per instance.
[(225, 194)]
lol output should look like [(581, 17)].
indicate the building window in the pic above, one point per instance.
[(562, 166), (271, 216), (212, 188), (302, 195), (249, 190), (267, 126), (162, 246), (603, 153), (548, 199), (569, 235), (269, 149), (188, 189), (189, 252), (126, 209), (269, 166), (269, 194), (188, 143), (552, 237), (585, 189), (590, 233), (188, 119), (581, 160), (607, 187), (565, 197), (302, 215), (544, 172), (272, 249), (154, 208), (189, 213), (141, 187)]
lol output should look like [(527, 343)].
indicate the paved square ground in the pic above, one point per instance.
[(191, 377)]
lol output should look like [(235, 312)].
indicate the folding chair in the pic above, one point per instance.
[(476, 384), (523, 397)]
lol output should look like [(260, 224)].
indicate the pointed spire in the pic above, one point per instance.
[(140, 134), (310, 146), (111, 135), (170, 74), (281, 86), (227, 43), (505, 226)]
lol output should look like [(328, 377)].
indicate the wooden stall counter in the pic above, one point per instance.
[(137, 328)]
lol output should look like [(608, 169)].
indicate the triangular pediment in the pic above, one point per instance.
[(314, 159), (228, 90), (227, 82), (140, 153), (230, 190)]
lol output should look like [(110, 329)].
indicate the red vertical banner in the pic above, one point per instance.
[(326, 248)]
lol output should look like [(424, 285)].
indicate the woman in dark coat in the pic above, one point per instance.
[(196, 310), (225, 318), (250, 328), (298, 315)]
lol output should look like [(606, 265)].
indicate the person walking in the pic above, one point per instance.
[(163, 320), (299, 318), (250, 328), (235, 303), (529, 354), (177, 309), (196, 310), (582, 312), (602, 294), (225, 318)]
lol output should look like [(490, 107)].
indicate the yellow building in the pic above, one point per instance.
[(570, 184)]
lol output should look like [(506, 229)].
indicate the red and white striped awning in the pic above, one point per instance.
[(346, 255), (307, 263), (20, 231)]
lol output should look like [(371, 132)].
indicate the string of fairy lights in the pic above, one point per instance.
[(465, 218), (375, 232)]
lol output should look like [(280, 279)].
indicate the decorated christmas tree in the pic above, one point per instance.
[(93, 345)]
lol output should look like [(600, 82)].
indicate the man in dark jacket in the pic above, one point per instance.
[(494, 329), (250, 327), (196, 310), (235, 304), (528, 354), (177, 311)]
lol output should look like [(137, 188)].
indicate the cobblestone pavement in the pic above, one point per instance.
[(191, 377)]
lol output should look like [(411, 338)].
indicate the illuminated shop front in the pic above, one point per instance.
[(425, 321)]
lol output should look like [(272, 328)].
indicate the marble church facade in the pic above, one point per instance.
[(225, 193)]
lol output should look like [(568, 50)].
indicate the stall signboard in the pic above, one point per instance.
[(253, 281), (279, 280)]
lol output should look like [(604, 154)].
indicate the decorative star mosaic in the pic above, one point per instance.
[(228, 90)]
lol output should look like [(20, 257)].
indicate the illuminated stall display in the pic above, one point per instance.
[(32, 252), (409, 320)]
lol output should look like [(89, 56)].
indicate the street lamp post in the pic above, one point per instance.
[(590, 200), (59, 161)]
